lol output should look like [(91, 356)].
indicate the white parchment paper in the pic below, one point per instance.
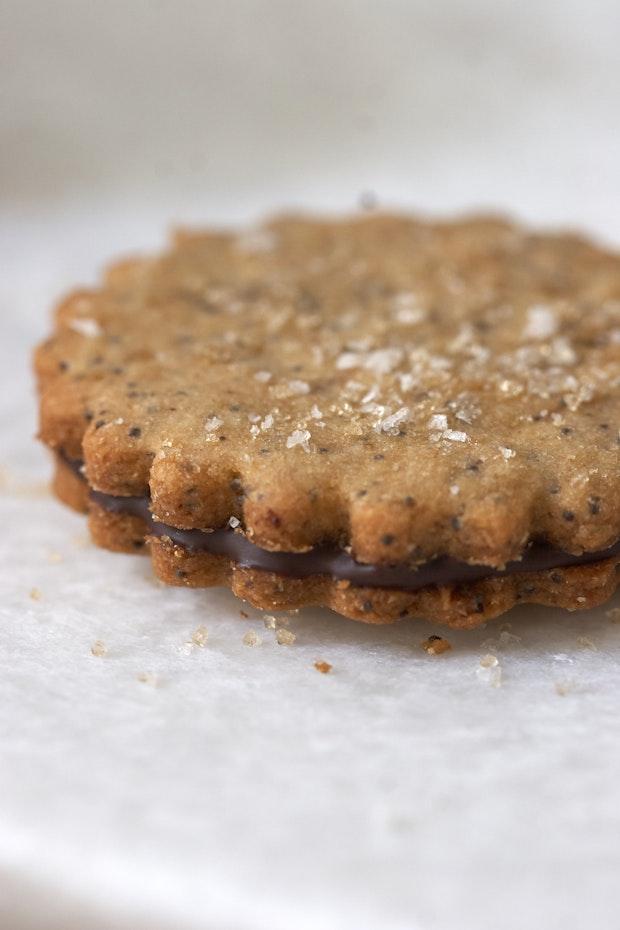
[(163, 785)]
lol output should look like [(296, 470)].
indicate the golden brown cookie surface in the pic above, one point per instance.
[(400, 388)]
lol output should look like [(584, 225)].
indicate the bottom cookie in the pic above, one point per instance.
[(461, 606)]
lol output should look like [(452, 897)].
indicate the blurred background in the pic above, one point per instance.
[(222, 109)]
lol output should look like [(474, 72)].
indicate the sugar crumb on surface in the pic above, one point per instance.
[(251, 638), (541, 322), (489, 671), (271, 622), (35, 594), (98, 648), (86, 326), (148, 678), (200, 636), (285, 637), (584, 642), (299, 437)]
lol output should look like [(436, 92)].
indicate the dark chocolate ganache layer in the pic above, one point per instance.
[(330, 560)]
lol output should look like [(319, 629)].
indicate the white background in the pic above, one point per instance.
[(238, 789)]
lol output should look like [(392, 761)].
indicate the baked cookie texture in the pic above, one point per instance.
[(399, 388)]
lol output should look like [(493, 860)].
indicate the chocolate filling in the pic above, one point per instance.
[(330, 560)]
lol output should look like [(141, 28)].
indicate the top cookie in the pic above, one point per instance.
[(402, 388)]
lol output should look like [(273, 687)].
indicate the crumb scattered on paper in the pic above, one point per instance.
[(200, 636), (251, 638), (35, 594), (285, 637), (436, 645), (323, 667), (584, 642), (99, 648)]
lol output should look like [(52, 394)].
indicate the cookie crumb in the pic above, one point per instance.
[(584, 642), (251, 638), (613, 614), (323, 667), (564, 687), (148, 678), (200, 636), (99, 648), (436, 645), (243, 614), (35, 594), (285, 637)]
